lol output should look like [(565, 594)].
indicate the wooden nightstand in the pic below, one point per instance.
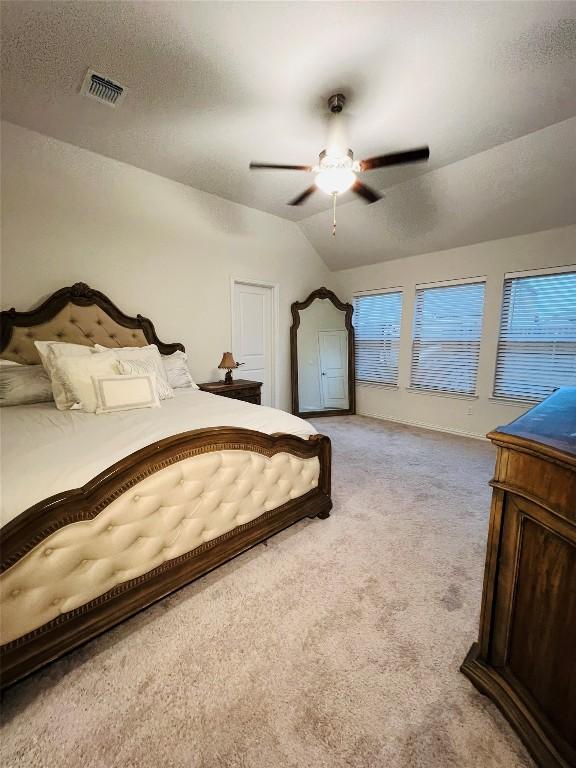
[(240, 389)]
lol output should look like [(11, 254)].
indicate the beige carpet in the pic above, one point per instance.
[(337, 644)]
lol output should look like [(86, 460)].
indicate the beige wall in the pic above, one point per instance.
[(556, 247), (168, 251), (154, 246)]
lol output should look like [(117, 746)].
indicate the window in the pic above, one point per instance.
[(377, 337), (537, 344), (446, 341)]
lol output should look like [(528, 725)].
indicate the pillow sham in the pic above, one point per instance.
[(24, 385), (77, 372), (149, 352), (177, 372), (124, 393), (50, 352), (143, 367)]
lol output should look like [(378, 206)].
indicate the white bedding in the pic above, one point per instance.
[(46, 451)]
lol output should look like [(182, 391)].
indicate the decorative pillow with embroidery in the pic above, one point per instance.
[(50, 352), (77, 372), (179, 376), (147, 353), (142, 367), (124, 393)]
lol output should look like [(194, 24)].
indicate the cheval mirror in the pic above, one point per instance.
[(322, 356)]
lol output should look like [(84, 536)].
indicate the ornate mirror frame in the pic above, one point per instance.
[(297, 307)]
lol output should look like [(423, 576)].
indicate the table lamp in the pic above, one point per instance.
[(228, 364)]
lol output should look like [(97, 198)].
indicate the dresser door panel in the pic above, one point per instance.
[(534, 640)]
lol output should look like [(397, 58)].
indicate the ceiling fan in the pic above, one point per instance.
[(336, 169)]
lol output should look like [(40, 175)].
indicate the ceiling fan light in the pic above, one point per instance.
[(334, 181)]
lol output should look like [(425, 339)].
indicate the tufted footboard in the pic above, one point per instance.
[(80, 562)]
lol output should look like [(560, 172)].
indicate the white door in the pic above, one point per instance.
[(333, 347), (253, 335)]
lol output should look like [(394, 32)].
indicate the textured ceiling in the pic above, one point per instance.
[(527, 185), (215, 85)]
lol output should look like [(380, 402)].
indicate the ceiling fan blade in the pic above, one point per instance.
[(276, 167), (395, 158), (304, 196), (365, 192)]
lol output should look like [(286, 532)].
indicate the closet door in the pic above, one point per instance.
[(252, 335)]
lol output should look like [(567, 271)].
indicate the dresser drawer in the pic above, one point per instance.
[(242, 389), (247, 397)]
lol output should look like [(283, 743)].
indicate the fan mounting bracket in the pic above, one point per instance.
[(336, 102), (328, 161)]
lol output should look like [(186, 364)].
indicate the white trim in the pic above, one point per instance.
[(511, 401), (378, 291), (423, 425), (376, 384), (319, 365), (441, 393), (538, 272), (448, 283), (275, 364)]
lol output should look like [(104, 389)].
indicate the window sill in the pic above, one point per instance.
[(376, 384), (512, 401), (435, 393)]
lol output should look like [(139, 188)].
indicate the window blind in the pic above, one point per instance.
[(537, 342), (446, 338), (377, 337)]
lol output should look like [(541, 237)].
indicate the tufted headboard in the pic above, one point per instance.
[(76, 314)]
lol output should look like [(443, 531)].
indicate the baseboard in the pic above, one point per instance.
[(424, 425)]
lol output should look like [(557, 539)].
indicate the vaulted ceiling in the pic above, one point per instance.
[(213, 85)]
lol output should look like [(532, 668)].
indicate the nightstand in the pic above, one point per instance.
[(240, 389)]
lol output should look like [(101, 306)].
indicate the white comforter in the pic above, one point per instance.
[(46, 451)]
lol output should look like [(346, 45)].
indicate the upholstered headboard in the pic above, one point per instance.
[(76, 314)]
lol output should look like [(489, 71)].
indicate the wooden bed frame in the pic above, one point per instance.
[(68, 630)]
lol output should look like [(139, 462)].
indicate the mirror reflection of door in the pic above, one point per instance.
[(322, 341), (333, 355)]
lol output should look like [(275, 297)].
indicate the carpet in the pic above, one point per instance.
[(336, 644)]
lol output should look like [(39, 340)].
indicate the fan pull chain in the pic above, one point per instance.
[(334, 215)]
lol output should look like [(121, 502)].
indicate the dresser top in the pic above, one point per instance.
[(550, 423)]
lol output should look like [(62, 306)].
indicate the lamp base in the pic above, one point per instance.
[(228, 378)]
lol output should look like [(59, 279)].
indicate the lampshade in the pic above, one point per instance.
[(333, 181), (227, 361)]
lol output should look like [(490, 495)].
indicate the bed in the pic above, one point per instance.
[(104, 515)]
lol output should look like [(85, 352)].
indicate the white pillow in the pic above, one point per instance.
[(123, 393), (179, 376), (150, 367), (24, 384), (50, 352), (5, 363), (77, 373), (149, 352)]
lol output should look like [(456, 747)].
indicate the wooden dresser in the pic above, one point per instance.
[(240, 389), (525, 658)]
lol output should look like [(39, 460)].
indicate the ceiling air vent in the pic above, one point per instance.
[(102, 89)]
